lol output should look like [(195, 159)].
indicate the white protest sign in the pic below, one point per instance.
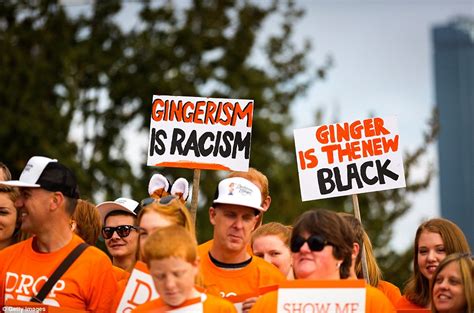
[(140, 289), (341, 296), (349, 158), (200, 133)]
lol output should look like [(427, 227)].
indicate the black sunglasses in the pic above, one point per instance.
[(122, 230), (315, 243), (164, 200)]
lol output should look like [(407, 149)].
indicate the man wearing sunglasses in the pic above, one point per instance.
[(228, 269), (48, 196), (120, 230)]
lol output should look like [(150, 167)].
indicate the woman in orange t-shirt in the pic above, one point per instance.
[(322, 243)]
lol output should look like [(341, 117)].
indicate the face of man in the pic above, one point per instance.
[(120, 247), (233, 226), (33, 208)]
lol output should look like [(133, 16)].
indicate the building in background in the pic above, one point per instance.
[(454, 82)]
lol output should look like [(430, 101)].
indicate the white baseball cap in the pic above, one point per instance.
[(120, 204), (239, 191)]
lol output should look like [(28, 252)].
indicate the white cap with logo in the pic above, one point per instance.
[(239, 191)]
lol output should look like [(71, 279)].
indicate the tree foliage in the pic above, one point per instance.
[(76, 83)]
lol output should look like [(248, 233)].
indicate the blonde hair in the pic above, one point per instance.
[(171, 241), (5, 172), (88, 221), (363, 240), (466, 268), (273, 229)]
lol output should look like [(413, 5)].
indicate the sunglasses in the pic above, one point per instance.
[(315, 243), (122, 230), (164, 200)]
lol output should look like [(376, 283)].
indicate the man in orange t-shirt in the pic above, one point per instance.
[(48, 198), (261, 181), (227, 268)]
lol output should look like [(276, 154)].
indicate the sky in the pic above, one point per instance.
[(383, 59)]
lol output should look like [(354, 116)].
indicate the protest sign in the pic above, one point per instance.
[(332, 296), (139, 289), (349, 158), (200, 133)]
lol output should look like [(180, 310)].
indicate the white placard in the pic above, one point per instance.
[(328, 297), (140, 289), (200, 133), (349, 158)]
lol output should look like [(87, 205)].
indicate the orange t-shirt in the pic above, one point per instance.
[(391, 291), (206, 303), (405, 304), (375, 301), (223, 282), (87, 285), (120, 274)]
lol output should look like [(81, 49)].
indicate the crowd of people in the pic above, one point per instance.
[(48, 254)]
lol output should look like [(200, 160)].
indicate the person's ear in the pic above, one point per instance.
[(355, 250), (266, 203), (57, 200), (73, 225), (212, 215)]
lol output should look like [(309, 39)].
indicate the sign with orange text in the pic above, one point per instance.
[(330, 296), (200, 133), (139, 289), (349, 158)]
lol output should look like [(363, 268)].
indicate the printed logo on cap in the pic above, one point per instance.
[(241, 189)]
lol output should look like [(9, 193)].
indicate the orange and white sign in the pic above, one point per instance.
[(339, 296), (200, 133), (140, 289), (349, 158)]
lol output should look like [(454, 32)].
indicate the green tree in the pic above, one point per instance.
[(76, 83)]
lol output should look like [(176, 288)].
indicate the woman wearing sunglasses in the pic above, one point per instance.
[(321, 246)]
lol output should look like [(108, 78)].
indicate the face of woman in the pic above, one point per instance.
[(150, 222), (448, 290), (8, 216), (273, 250), (431, 252), (320, 265)]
